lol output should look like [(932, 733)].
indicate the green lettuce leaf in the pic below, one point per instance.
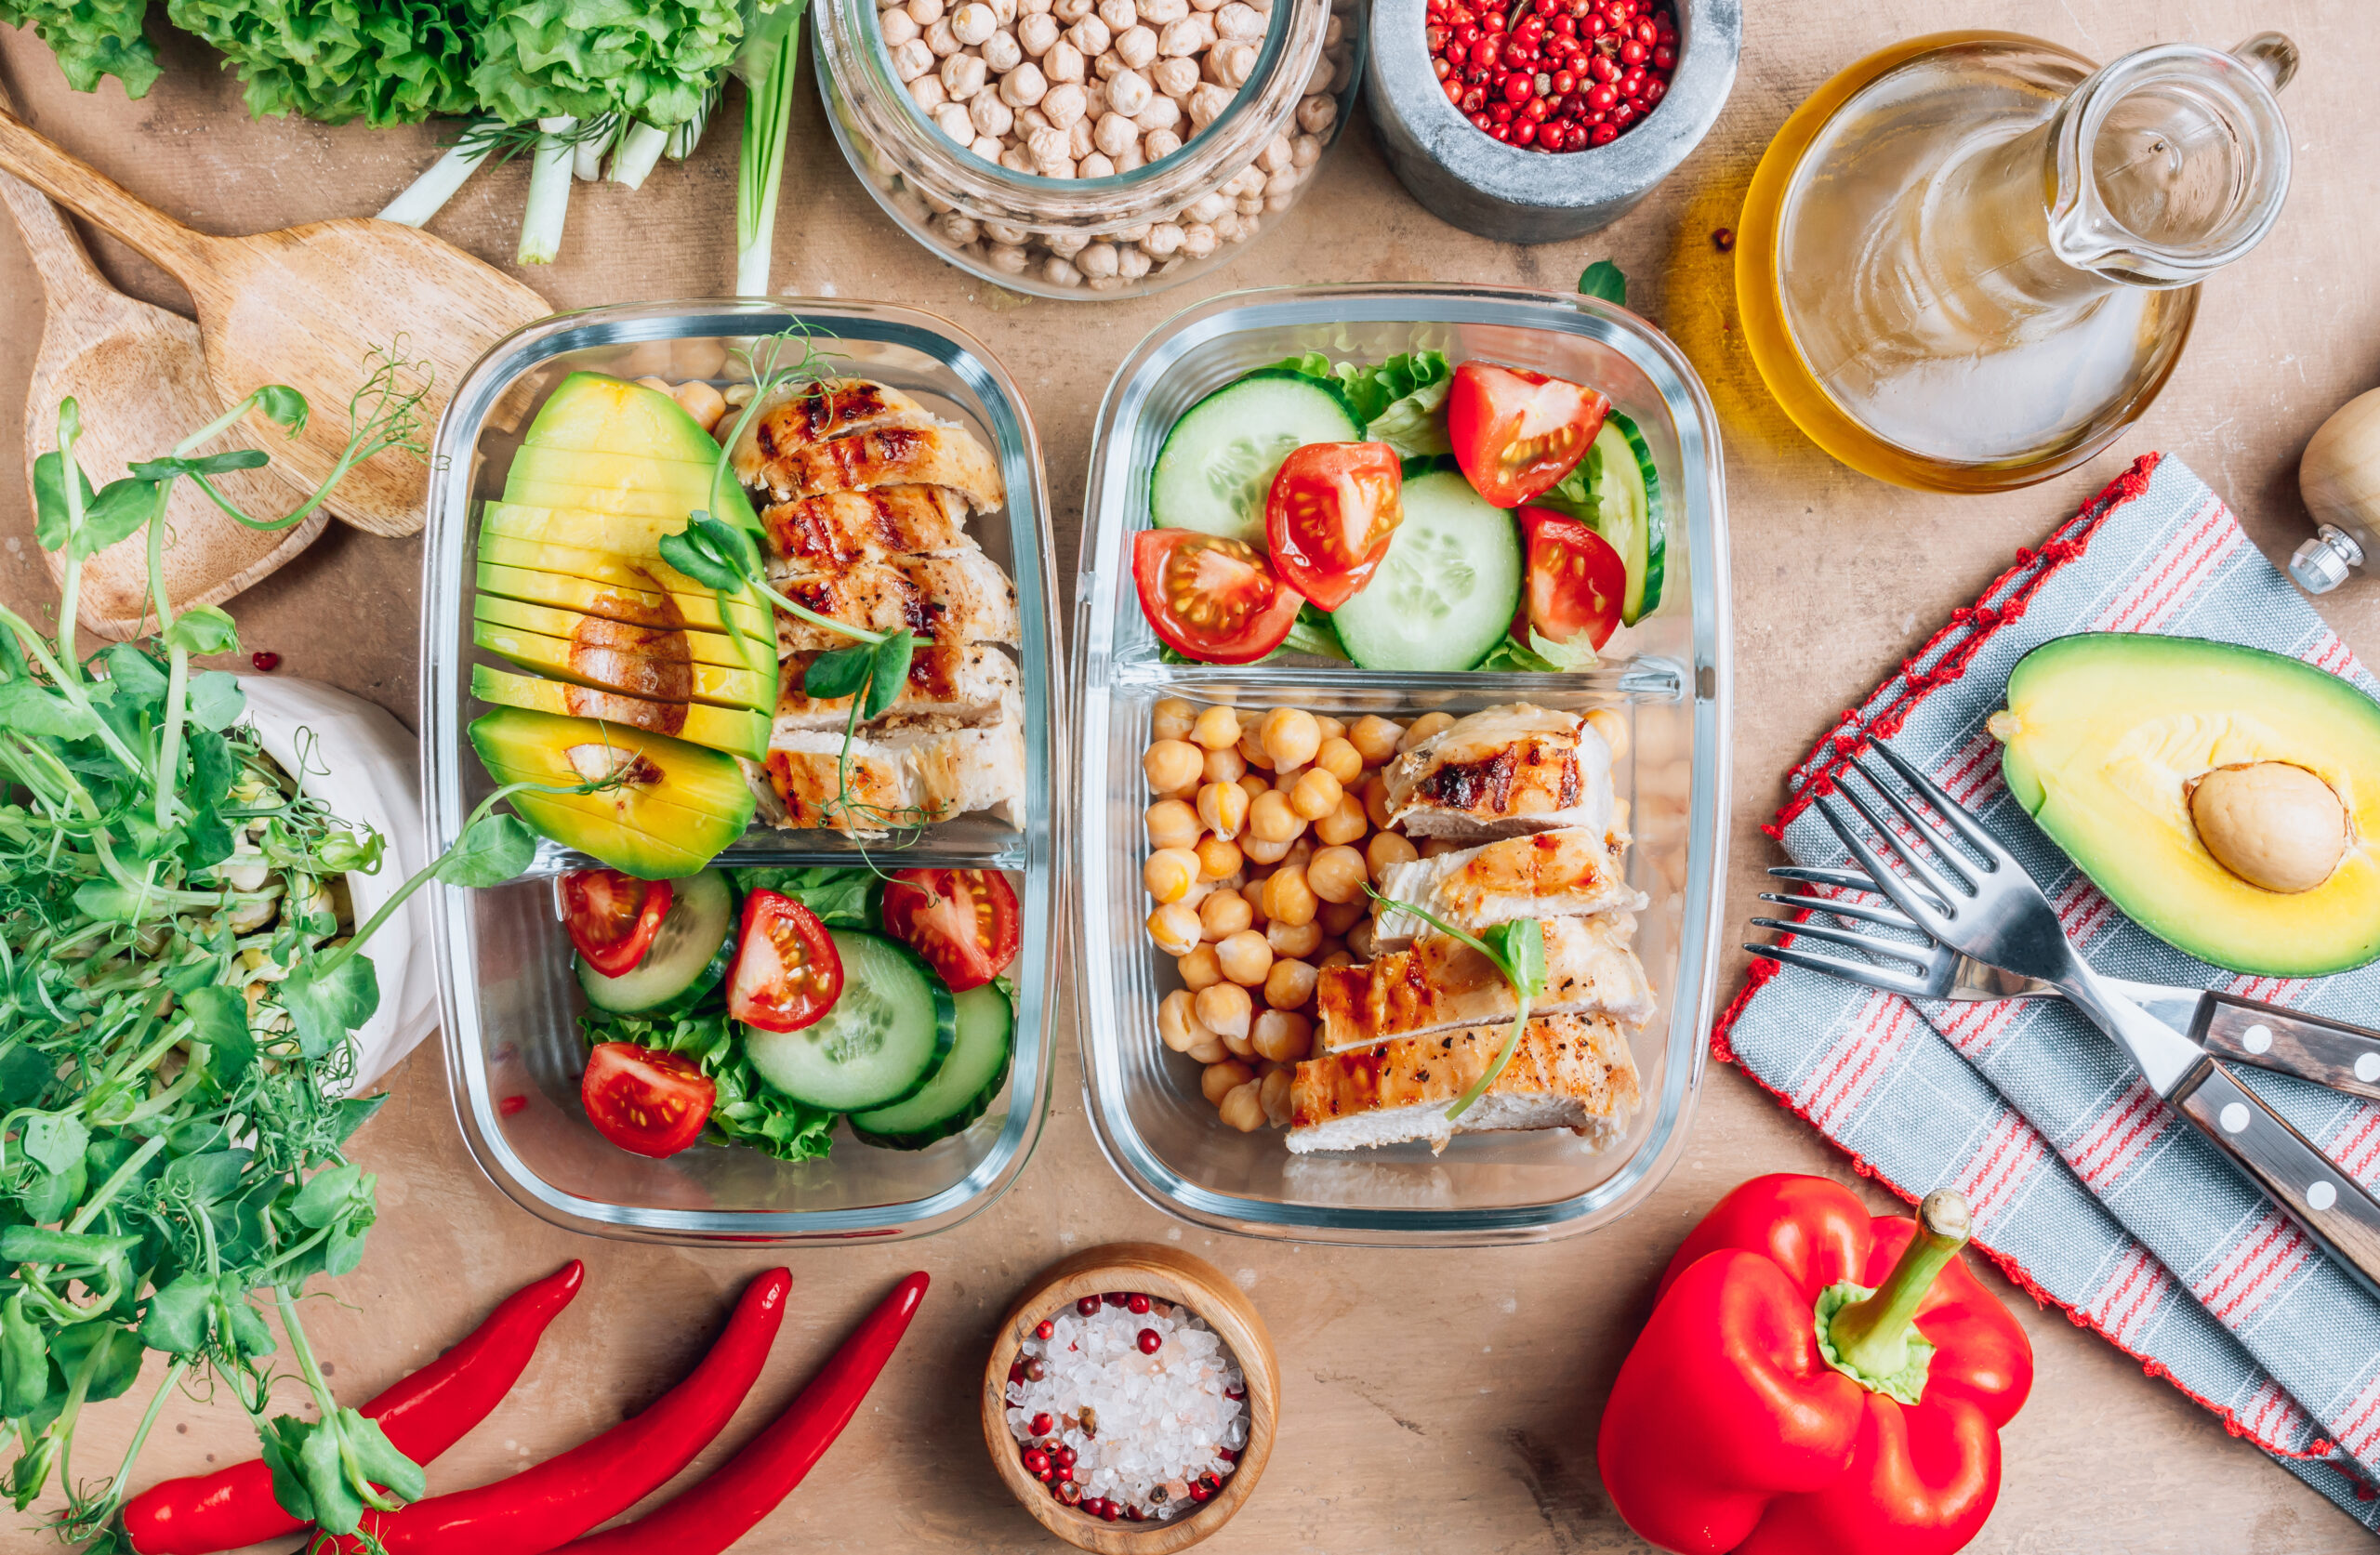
[(1538, 655), (384, 61), (841, 898), (748, 1111), (1399, 401), (91, 38), (653, 60)]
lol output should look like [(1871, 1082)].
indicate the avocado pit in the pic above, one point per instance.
[(2275, 825)]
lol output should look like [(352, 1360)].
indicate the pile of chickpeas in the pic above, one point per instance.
[(1263, 831)]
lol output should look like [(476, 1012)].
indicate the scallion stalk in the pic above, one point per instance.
[(639, 150), (768, 64), (549, 178), (427, 194)]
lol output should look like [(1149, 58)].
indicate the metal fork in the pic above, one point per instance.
[(1957, 885)]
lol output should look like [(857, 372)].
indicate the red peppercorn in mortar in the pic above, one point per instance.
[(1552, 75)]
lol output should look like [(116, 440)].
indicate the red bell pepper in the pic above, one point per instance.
[(1816, 1381)]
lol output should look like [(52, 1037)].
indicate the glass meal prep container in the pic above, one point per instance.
[(1123, 234), (514, 1054), (1669, 676)]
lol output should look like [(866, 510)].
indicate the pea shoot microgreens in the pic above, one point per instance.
[(1516, 947), (176, 999)]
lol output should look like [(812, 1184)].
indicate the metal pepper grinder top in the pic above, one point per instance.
[(2339, 477)]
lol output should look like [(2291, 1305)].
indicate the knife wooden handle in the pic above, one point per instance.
[(2327, 1203), (2332, 1053)]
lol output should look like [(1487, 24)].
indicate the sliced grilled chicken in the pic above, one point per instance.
[(1442, 983), (802, 417), (823, 534), (957, 599), (1569, 1072), (1546, 874), (1503, 771), (949, 456), (965, 684), (900, 775)]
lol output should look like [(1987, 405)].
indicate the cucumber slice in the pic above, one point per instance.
[(1449, 588), (688, 957), (884, 1039), (1219, 461), (963, 1089), (1628, 512)]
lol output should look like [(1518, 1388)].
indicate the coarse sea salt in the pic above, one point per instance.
[(1143, 1427)]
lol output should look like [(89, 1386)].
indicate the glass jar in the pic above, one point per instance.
[(1119, 235)]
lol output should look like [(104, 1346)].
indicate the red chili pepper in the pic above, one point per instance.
[(596, 1480), (423, 1415), (709, 1518), (1774, 1403)]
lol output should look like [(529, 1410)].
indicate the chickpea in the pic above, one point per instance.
[(1346, 824), (1299, 940), (1177, 1022), (1291, 736), (1198, 969), (1173, 766), (1175, 927), (1172, 823), (1223, 1009), (1261, 851), (1225, 765), (1243, 1108), (1428, 726), (1277, 1092), (1245, 957), (1334, 958), (1316, 794), (1607, 722), (1375, 794), (1218, 728), (1337, 917), (1222, 805), (1282, 1036), (1270, 817), (1251, 750), (1209, 1049), (1331, 728), (1220, 1079), (1171, 719), (1434, 846), (1336, 875), (1359, 942), (1224, 913), (1254, 787), (1339, 758), (1387, 848), (1253, 892), (1170, 873), (1290, 985), (1287, 899), (1374, 739), (1300, 852), (702, 402), (1217, 857), (1326, 950)]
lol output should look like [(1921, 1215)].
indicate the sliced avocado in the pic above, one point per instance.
[(678, 805), (699, 604), (2109, 736), (651, 671), (591, 413), (677, 485), (708, 648), (736, 731), (624, 535), (641, 606)]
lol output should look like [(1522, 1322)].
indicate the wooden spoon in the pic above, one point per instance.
[(305, 307)]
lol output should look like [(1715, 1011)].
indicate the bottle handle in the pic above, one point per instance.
[(2272, 55)]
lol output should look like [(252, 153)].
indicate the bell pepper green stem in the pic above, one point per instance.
[(1872, 1335)]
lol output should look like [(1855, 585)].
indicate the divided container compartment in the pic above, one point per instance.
[(1669, 676), (514, 1054)]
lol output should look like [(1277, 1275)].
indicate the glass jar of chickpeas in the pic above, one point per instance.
[(1088, 148), (1265, 829)]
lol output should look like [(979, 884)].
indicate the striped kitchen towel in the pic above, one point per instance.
[(2086, 1189)]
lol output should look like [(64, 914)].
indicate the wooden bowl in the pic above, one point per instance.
[(1170, 1276)]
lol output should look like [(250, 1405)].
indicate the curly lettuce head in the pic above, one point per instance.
[(653, 59), (91, 38), (385, 61), (748, 1111)]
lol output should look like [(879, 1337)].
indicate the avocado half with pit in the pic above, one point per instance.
[(2226, 799), (669, 808)]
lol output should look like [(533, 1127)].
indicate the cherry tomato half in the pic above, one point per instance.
[(1213, 599), (1333, 510), (1577, 581), (613, 917), (963, 921), (788, 972), (1516, 433), (645, 1099)]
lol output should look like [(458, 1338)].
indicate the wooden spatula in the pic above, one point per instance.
[(305, 307)]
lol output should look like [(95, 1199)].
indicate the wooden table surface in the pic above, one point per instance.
[(1447, 1397)]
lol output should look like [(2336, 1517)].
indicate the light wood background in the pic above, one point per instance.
[(1434, 1398)]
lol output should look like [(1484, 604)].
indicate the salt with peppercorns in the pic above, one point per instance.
[(1128, 1407)]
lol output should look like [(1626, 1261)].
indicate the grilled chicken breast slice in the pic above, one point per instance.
[(1442, 983), (957, 599), (1503, 771), (931, 455), (901, 775), (1572, 873), (824, 534), (800, 416), (963, 683), (1569, 1072)]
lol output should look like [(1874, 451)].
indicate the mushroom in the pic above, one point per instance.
[(2273, 824)]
